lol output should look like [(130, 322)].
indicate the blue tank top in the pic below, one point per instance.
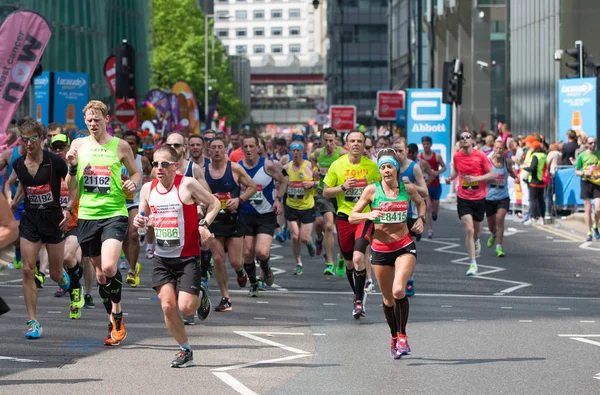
[(189, 171), (410, 173), (498, 187), (206, 162), (9, 170), (224, 188), (262, 201)]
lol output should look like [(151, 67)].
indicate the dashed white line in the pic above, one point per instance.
[(525, 321), (446, 306), (587, 322), (506, 308), (262, 302), (330, 319), (564, 308), (54, 312), (259, 318), (460, 320), (329, 304), (143, 298)]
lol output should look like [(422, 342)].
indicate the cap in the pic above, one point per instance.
[(529, 139), (59, 137), (535, 144)]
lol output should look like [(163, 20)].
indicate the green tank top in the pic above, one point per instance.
[(99, 174), (395, 210), (325, 162)]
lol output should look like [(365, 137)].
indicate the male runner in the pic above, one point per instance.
[(323, 158), (9, 232), (260, 212), (587, 167), (173, 200), (224, 179), (299, 204), (346, 179), (196, 148), (497, 200), (131, 244), (207, 137), (95, 166), (438, 166), (473, 169)]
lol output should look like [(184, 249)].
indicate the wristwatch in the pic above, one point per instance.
[(69, 209), (202, 222), (343, 187), (423, 218)]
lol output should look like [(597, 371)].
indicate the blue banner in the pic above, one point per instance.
[(427, 116), (41, 98), (71, 92), (401, 118), (576, 106), (567, 187)]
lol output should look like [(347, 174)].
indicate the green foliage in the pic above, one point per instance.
[(178, 54)]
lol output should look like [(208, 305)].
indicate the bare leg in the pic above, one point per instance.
[(30, 251)]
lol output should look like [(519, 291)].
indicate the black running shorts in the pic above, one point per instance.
[(260, 223), (474, 208), (93, 232), (184, 272), (389, 258), (492, 206), (42, 225), (304, 216)]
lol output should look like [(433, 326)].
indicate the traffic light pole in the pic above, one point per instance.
[(452, 194)]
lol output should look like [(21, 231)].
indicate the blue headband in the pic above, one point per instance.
[(388, 159), (297, 146), (148, 146)]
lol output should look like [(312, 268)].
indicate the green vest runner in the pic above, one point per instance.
[(99, 175), (325, 162), (395, 210)]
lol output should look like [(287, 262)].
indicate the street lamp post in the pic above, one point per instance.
[(206, 17), (341, 6)]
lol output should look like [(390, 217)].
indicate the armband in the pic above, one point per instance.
[(72, 170), (284, 172)]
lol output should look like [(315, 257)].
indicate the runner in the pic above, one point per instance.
[(173, 201), (196, 148), (95, 166), (473, 169), (207, 137), (43, 221), (9, 232), (497, 200), (224, 179), (438, 166), (131, 245), (346, 179), (324, 224), (260, 212), (587, 168), (393, 252)]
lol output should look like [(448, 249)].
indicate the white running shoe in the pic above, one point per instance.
[(472, 270), (369, 286)]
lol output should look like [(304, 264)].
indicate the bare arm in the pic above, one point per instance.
[(126, 157), (203, 197), (139, 221), (72, 158), (8, 185), (5, 159), (357, 216), (147, 167), (442, 164), (420, 182), (309, 183), (245, 180), (281, 182), (9, 230), (509, 167), (199, 176)]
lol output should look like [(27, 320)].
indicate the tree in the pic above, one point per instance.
[(178, 54)]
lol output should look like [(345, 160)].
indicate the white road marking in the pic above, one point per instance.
[(446, 306), (144, 298), (54, 312), (19, 280), (252, 335), (506, 307), (564, 308), (579, 335), (329, 304), (22, 360), (587, 322), (525, 321), (275, 257), (259, 318), (584, 340), (275, 246), (234, 383), (330, 319), (460, 320), (319, 334), (262, 302)]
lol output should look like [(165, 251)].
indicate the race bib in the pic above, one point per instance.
[(469, 185), (64, 194), (499, 180), (393, 212), (258, 196), (223, 198), (295, 190), (96, 179), (40, 196), (129, 196), (166, 230), (353, 194)]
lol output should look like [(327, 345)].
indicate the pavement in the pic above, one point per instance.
[(527, 324)]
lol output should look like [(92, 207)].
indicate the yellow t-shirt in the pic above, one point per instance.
[(365, 173), (297, 197)]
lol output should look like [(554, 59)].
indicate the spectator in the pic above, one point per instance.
[(554, 160), (569, 149), (535, 169), (489, 144)]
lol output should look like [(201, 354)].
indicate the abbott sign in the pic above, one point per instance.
[(428, 116)]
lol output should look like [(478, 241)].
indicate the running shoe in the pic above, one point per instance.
[(410, 287), (74, 312), (341, 266), (298, 270), (59, 293), (39, 277), (434, 216), (499, 252), (357, 310), (133, 279), (403, 347), (430, 233), (188, 320), (253, 291), (65, 281), (17, 264), (527, 222), (118, 333), (183, 359), (123, 262), (89, 302), (472, 269), (142, 240), (477, 248), (318, 246), (329, 269), (108, 340), (311, 249), (242, 279), (225, 305), (596, 233), (419, 236), (149, 253), (491, 241), (541, 222), (34, 330), (77, 303), (394, 348), (280, 237), (588, 237), (288, 234), (269, 276), (261, 285), (364, 304), (369, 286), (205, 305)]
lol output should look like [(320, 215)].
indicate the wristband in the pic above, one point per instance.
[(278, 198), (72, 170)]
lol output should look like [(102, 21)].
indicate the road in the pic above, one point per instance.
[(527, 324)]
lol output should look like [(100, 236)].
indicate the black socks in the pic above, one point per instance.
[(114, 286), (251, 270), (105, 297), (360, 277), (401, 314), (75, 274), (205, 262), (264, 265), (350, 275), (388, 311)]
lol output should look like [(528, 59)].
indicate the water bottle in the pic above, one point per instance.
[(142, 231)]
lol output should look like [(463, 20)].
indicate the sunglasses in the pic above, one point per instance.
[(164, 165), (591, 142), (465, 137), (175, 145), (368, 147), (26, 140), (58, 147)]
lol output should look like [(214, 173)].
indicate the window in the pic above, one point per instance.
[(222, 33), (227, 49), (240, 33), (259, 49), (277, 48), (259, 14), (294, 31), (295, 48), (241, 15), (222, 14), (222, 1), (241, 49), (259, 32), (276, 14), (276, 32), (294, 13)]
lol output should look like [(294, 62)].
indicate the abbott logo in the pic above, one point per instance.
[(429, 101)]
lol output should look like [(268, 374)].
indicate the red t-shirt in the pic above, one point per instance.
[(236, 155), (476, 164)]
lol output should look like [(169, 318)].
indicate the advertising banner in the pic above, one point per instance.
[(194, 114), (41, 98), (388, 102), (161, 102), (343, 118), (71, 94), (110, 73), (576, 106), (25, 35), (426, 115)]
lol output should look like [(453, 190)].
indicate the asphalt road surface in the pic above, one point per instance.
[(528, 324)]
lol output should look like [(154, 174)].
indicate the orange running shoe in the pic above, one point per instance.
[(108, 341), (118, 333)]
